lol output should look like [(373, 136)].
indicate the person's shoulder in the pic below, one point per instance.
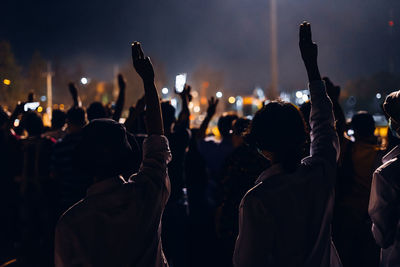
[(73, 213), (389, 169)]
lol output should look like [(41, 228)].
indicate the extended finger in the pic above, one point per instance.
[(135, 51), (141, 54)]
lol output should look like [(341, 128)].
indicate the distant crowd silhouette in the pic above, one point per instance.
[(287, 188)]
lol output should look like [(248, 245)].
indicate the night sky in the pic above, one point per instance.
[(229, 36)]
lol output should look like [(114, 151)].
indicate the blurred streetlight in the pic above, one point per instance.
[(6, 81), (378, 96), (218, 94), (164, 90), (232, 100), (84, 80)]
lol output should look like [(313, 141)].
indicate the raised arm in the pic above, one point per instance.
[(119, 105), (324, 140), (144, 68), (212, 107), (183, 118), (74, 93)]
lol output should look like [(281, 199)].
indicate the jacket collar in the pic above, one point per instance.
[(105, 185), (392, 154), (271, 171)]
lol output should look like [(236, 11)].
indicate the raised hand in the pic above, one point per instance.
[(212, 106), (141, 63), (309, 51), (121, 82), (74, 93)]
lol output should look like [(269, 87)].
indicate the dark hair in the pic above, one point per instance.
[(32, 123), (240, 126), (96, 110), (225, 124), (168, 114), (363, 124), (76, 116), (279, 127), (105, 150), (58, 119)]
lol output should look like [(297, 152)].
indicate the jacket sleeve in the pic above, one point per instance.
[(324, 139), (66, 252), (383, 210), (156, 156)]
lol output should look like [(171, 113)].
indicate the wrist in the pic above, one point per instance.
[(148, 81)]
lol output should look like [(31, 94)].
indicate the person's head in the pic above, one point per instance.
[(32, 123), (58, 119), (391, 106), (96, 110), (363, 125), (332, 90), (76, 119), (225, 125), (238, 129), (168, 114), (279, 131), (104, 150)]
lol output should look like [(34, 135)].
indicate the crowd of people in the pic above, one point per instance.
[(287, 188)]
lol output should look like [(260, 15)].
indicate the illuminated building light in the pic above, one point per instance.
[(6, 81), (232, 100), (39, 109), (196, 109), (164, 90), (218, 94)]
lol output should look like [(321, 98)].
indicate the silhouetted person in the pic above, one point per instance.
[(351, 224), (175, 215), (285, 219), (384, 202), (239, 174), (118, 222), (72, 183), (58, 121)]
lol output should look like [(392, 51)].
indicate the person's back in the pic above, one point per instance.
[(285, 219), (118, 223)]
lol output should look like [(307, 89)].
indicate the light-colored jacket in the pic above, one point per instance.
[(285, 220), (118, 222), (384, 208)]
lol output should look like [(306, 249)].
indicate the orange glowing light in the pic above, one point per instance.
[(6, 81)]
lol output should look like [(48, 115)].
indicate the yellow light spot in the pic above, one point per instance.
[(232, 100), (39, 109), (55, 106), (62, 106), (7, 82)]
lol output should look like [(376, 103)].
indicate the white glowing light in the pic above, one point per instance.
[(378, 96), (305, 98), (350, 132), (174, 102), (164, 90), (218, 94), (299, 94), (191, 105), (84, 80), (196, 109)]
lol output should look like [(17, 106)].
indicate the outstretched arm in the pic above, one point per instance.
[(119, 106), (183, 118), (145, 70), (324, 140), (74, 93), (212, 107)]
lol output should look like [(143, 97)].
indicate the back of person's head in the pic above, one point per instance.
[(3, 117), (76, 116), (32, 123), (104, 150), (363, 125), (168, 114), (96, 110), (279, 128), (239, 127), (58, 119), (225, 124), (391, 106), (332, 90)]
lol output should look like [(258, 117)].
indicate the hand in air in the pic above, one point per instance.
[(121, 82), (212, 106), (141, 63), (308, 49)]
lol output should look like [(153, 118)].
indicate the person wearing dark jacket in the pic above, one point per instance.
[(384, 204)]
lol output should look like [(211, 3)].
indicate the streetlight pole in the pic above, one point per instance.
[(273, 93), (49, 75)]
